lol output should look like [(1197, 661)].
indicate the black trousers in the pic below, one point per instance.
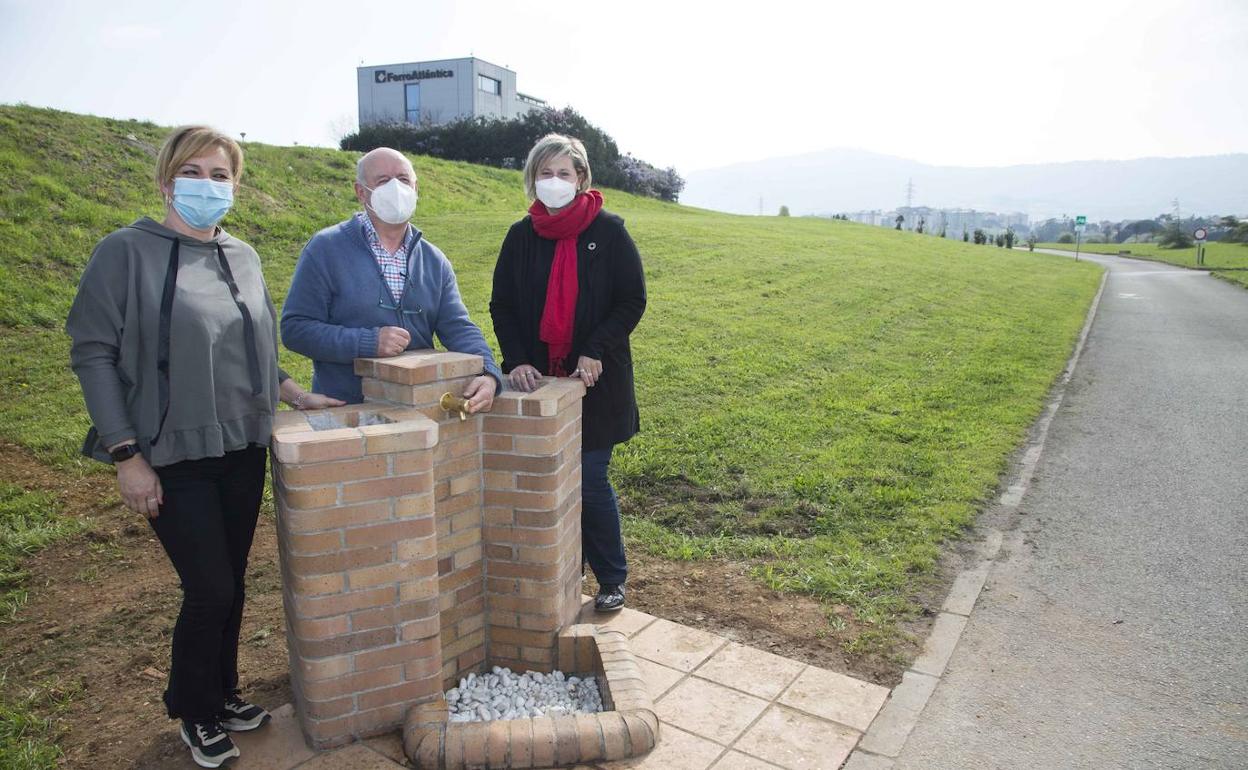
[(206, 525)]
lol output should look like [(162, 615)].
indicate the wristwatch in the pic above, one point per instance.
[(124, 452)]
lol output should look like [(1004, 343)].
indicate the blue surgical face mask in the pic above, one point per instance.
[(201, 202)]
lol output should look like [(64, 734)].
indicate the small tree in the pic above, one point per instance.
[(1009, 237), (784, 211), (1238, 230), (1174, 236), (899, 220), (965, 235), (919, 228), (1031, 243), (980, 237)]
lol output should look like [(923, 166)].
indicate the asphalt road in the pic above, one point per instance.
[(1113, 630)]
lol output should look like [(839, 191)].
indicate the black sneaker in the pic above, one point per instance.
[(210, 745), (240, 716), (610, 598)]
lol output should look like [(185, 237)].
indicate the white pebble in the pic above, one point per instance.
[(504, 694)]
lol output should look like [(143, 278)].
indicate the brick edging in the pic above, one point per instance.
[(629, 729)]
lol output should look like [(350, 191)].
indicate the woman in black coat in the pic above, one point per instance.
[(568, 290)]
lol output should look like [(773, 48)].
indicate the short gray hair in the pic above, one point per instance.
[(360, 176), (552, 146)]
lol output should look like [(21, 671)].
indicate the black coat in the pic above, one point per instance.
[(611, 297)]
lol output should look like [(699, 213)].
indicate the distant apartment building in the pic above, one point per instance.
[(953, 221), (872, 217), (442, 91)]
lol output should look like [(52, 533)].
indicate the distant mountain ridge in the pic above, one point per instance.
[(842, 180)]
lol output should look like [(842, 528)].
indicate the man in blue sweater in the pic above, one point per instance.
[(372, 286)]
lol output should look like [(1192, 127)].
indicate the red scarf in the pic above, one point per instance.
[(561, 290)]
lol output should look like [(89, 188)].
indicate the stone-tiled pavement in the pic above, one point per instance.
[(723, 706)]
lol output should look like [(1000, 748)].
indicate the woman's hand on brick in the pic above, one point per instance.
[(524, 378), (588, 369), (319, 401)]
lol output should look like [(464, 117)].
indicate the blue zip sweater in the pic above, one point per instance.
[(339, 301)]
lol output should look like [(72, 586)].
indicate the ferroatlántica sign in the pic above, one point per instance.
[(383, 76)]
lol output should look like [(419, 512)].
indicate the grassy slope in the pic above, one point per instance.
[(1232, 257), (830, 398)]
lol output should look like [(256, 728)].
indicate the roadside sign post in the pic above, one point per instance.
[(1081, 222), (1200, 234)]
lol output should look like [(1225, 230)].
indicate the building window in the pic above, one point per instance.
[(489, 85), (411, 97)]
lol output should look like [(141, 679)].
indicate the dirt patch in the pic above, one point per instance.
[(683, 506), (102, 607), (98, 621), (723, 598)]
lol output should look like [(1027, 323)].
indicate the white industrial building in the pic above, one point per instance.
[(442, 91)]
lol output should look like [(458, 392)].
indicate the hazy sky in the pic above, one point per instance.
[(689, 84)]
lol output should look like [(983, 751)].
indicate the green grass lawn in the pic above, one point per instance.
[(30, 725), (828, 399), (1226, 260)]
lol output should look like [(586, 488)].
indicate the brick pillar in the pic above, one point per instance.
[(418, 379), (532, 465), (416, 546), (356, 535)]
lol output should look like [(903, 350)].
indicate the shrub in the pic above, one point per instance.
[(1066, 238), (1234, 231), (506, 144), (1175, 237)]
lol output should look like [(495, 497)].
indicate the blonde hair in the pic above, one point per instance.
[(552, 146), (190, 142)]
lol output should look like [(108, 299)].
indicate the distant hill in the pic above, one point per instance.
[(850, 180)]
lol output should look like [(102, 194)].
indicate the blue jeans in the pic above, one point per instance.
[(602, 545)]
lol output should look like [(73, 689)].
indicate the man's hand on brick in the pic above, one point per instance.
[(480, 394), (392, 340)]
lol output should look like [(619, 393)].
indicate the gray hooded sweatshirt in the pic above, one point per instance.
[(220, 345)]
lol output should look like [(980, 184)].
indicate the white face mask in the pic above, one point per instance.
[(394, 202), (555, 192)]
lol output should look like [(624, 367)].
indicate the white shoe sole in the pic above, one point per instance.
[(238, 726), (202, 759)]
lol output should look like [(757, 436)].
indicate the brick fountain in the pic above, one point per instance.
[(419, 545)]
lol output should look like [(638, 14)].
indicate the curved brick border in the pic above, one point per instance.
[(629, 727)]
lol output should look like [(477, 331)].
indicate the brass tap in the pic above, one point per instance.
[(451, 403)]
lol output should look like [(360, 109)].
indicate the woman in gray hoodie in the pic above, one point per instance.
[(175, 345)]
